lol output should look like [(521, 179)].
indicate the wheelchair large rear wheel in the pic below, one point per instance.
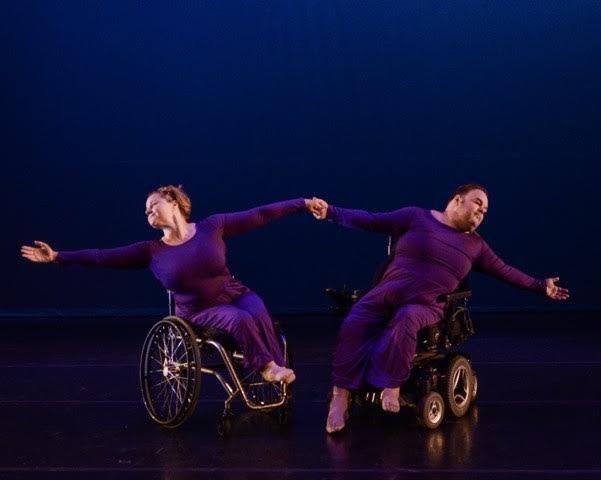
[(475, 386), (170, 372), (458, 386)]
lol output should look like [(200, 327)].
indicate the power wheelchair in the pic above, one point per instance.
[(442, 380), (177, 354)]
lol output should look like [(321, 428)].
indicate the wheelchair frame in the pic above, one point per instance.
[(171, 368)]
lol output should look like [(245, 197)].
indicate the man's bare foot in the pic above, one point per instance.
[(390, 399), (274, 373), (339, 410)]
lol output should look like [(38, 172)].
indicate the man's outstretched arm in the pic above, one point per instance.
[(490, 263)]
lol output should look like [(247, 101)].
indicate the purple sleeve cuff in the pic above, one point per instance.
[(78, 257), (331, 213), (540, 286)]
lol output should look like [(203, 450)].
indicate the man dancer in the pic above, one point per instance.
[(435, 251)]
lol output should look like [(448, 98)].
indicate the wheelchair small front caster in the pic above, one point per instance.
[(283, 415), (224, 425), (430, 410)]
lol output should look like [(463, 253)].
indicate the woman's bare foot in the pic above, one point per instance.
[(390, 399), (274, 373), (339, 410)]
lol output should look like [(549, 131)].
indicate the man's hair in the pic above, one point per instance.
[(467, 187), (176, 194)]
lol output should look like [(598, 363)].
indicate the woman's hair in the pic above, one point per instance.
[(468, 187), (177, 194)]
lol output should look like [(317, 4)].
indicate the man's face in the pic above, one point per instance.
[(470, 210)]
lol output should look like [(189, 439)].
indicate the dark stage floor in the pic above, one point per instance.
[(71, 408)]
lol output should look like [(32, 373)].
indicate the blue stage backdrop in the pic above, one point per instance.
[(368, 104)]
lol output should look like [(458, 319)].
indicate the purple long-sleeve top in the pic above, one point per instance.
[(432, 250), (195, 271)]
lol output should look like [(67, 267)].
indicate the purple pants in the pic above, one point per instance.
[(248, 321), (378, 338)]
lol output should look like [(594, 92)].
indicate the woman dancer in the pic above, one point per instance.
[(190, 261)]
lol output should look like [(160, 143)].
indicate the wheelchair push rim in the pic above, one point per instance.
[(170, 372)]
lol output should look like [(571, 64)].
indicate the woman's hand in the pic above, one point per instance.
[(41, 253), (317, 207), (555, 292)]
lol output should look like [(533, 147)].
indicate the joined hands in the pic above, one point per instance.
[(317, 207)]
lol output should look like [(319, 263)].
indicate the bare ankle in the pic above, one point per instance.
[(340, 392), (339, 410), (390, 399)]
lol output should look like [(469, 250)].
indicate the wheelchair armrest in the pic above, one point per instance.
[(455, 296)]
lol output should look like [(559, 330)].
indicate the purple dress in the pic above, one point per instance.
[(196, 272), (378, 338)]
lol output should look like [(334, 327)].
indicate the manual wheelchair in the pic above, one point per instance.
[(442, 378), (176, 355)]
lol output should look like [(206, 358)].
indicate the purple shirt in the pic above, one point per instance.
[(195, 271), (432, 250)]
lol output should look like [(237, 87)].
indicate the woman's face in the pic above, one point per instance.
[(160, 211)]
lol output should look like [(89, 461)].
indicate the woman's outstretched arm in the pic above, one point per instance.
[(136, 255), (237, 223)]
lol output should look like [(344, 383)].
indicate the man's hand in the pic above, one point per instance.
[(41, 253), (555, 292)]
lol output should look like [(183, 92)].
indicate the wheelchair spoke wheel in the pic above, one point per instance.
[(170, 372), (458, 386)]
